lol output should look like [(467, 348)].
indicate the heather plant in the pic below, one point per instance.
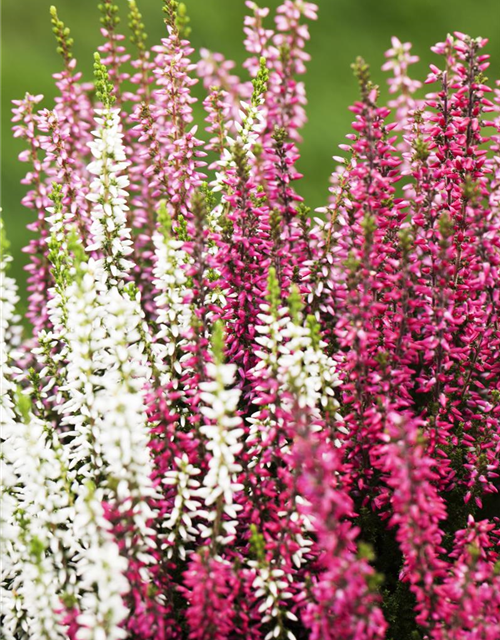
[(230, 418)]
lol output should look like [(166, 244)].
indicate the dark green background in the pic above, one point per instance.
[(345, 29)]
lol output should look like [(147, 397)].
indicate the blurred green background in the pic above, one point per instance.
[(345, 29)]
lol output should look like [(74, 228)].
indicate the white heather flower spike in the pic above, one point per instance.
[(9, 327), (108, 193), (101, 571), (35, 505), (271, 587), (111, 236), (174, 315), (106, 381), (222, 430), (105, 409), (36, 511), (187, 506), (53, 544), (306, 370)]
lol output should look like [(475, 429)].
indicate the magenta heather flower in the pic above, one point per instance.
[(241, 421), (417, 511), (210, 590)]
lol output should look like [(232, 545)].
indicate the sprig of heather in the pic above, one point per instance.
[(472, 584), (109, 231), (174, 111), (343, 601), (59, 154), (309, 378), (245, 220), (71, 123), (290, 40), (114, 54), (36, 511), (418, 512), (37, 200), (222, 430), (36, 507), (368, 256), (216, 73), (211, 587), (399, 59), (457, 207), (143, 77), (111, 342), (9, 298)]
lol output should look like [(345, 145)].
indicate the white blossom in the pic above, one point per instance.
[(106, 380), (306, 377), (10, 329), (272, 587), (222, 430), (181, 520), (174, 315), (105, 412), (108, 194), (36, 513), (101, 570)]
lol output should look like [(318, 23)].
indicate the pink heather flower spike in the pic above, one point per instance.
[(39, 279)]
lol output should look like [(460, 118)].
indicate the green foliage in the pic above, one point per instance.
[(23, 405), (352, 264), (76, 249), (421, 149), (181, 229), (177, 18), (279, 136), (62, 34), (37, 548), (275, 224), (218, 342), (183, 20), (257, 544), (314, 330), (260, 82), (199, 209), (398, 606), (369, 226), (362, 73), (63, 243), (103, 85), (273, 296), (295, 304), (240, 158), (164, 220), (138, 34), (109, 18), (445, 229), (471, 191), (405, 241), (303, 212), (209, 196), (131, 290)]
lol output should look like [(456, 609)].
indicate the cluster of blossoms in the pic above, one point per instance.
[(231, 419)]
